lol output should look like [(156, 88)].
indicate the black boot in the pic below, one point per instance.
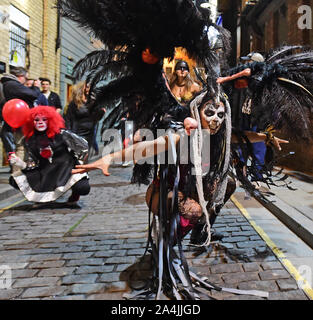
[(215, 236), (199, 234), (73, 199)]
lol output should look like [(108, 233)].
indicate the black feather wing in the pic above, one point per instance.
[(156, 24), (127, 28), (281, 90)]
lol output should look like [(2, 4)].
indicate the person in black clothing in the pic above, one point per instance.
[(14, 88), (52, 97), (2, 98), (52, 153), (81, 117)]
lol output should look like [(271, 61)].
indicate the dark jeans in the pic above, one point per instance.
[(7, 138)]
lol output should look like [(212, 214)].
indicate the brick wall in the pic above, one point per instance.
[(303, 160), (43, 60), (269, 33), (295, 35), (51, 66), (4, 33)]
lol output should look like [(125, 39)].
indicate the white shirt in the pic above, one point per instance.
[(47, 94)]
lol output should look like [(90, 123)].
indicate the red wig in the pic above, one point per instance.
[(55, 121)]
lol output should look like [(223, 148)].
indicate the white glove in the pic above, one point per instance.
[(16, 161)]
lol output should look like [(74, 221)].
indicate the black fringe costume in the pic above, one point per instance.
[(125, 83)]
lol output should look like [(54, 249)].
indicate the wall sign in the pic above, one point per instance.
[(69, 69)]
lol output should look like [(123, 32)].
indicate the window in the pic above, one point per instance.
[(17, 45), (19, 26)]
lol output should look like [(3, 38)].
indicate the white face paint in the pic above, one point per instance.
[(212, 116), (41, 123)]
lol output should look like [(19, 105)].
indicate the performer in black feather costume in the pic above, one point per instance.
[(139, 35), (140, 30), (179, 197), (278, 91)]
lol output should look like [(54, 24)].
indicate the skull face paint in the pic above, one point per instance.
[(212, 116), (41, 123)]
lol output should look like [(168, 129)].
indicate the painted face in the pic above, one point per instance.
[(41, 123), (212, 116)]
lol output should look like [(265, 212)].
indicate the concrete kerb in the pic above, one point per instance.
[(293, 219)]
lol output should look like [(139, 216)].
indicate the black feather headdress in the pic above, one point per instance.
[(138, 35)]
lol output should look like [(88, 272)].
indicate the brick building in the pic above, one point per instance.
[(262, 25), (29, 33), (34, 36), (28, 36), (267, 24)]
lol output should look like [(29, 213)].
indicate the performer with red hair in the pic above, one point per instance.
[(55, 120), (52, 153)]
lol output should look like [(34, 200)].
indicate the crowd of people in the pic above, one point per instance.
[(51, 140), (81, 117), (49, 154)]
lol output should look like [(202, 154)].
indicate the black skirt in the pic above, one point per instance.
[(51, 177)]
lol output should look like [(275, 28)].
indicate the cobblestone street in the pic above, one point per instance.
[(87, 252)]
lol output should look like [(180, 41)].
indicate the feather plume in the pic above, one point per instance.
[(281, 90)]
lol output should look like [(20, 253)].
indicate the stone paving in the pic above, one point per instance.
[(89, 252)]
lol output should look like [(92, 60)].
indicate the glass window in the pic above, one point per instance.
[(18, 42)]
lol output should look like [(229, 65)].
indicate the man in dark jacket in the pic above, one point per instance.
[(52, 97), (13, 86)]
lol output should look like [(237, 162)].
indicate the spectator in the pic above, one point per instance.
[(14, 88), (29, 83), (42, 100), (52, 97), (82, 117)]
